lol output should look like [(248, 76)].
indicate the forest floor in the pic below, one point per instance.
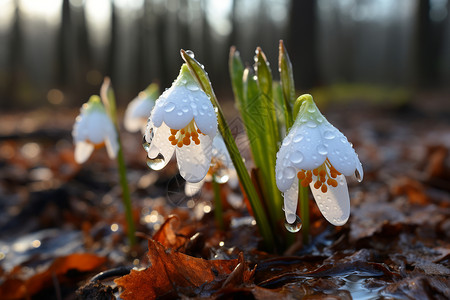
[(62, 223)]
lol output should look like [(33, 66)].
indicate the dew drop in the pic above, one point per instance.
[(221, 176), (190, 53), (296, 157), (289, 172), (156, 163), (279, 175), (169, 107), (329, 135), (145, 144), (358, 176), (311, 109), (322, 150), (311, 124), (185, 109), (294, 227), (180, 113), (344, 140), (192, 87), (298, 138), (193, 105), (204, 106)]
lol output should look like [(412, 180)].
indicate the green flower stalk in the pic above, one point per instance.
[(202, 78), (109, 100)]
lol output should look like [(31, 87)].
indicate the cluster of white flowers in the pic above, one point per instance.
[(183, 120)]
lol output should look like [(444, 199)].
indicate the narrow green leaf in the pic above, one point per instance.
[(287, 82), (236, 69), (263, 223)]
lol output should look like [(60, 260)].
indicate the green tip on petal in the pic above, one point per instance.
[(152, 91), (94, 103), (185, 77), (305, 98)]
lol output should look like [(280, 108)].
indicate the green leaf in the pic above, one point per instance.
[(260, 216), (287, 82)]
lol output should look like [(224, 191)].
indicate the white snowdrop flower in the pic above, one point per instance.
[(317, 154), (222, 169), (93, 128), (183, 120), (139, 109)]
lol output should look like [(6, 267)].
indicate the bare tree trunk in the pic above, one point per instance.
[(302, 42)]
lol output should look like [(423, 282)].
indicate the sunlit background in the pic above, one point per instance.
[(56, 52)]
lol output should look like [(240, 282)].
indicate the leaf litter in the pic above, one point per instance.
[(396, 244)]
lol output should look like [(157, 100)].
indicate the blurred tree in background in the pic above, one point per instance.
[(56, 52)]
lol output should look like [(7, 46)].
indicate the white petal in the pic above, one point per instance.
[(177, 111), (233, 181), (112, 146), (220, 151), (97, 124), (335, 203), (83, 151), (359, 168), (284, 171), (194, 160), (307, 144), (290, 203), (340, 152), (190, 189), (160, 143), (157, 115), (204, 114), (138, 110)]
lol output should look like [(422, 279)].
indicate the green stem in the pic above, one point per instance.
[(304, 212), (126, 199), (218, 210), (109, 100), (258, 210)]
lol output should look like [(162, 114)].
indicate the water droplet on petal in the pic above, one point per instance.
[(279, 175), (294, 227), (296, 157), (322, 150), (145, 144), (289, 172), (311, 124), (298, 138), (358, 176), (185, 109), (329, 135), (311, 109), (169, 107), (180, 113), (193, 105), (190, 53), (192, 87), (156, 163), (344, 140)]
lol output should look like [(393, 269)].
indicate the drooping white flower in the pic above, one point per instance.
[(93, 128), (139, 109), (222, 169), (317, 154), (183, 119)]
